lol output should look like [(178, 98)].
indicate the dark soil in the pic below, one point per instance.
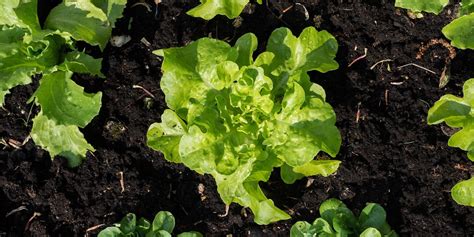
[(390, 155)]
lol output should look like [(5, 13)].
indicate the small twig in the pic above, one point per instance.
[(29, 115), (397, 83), (21, 208), (27, 139), (145, 42), (386, 97), (35, 214), (4, 143), (359, 58), (144, 90), (358, 112), (418, 66), (379, 62), (275, 15), (287, 9), (14, 143), (92, 229), (227, 207), (122, 184)]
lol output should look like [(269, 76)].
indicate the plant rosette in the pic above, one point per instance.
[(162, 226), (237, 118), (338, 220)]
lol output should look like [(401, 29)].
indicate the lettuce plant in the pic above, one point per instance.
[(162, 226), (459, 31), (337, 220), (237, 118), (208, 9), (28, 49), (458, 113)]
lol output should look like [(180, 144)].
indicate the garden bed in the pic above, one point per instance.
[(389, 154)]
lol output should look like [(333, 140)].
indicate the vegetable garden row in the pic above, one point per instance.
[(248, 118)]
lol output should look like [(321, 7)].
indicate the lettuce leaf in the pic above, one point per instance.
[(457, 113), (237, 119), (431, 6), (467, 7), (65, 108), (208, 9), (461, 32), (57, 139), (463, 192), (112, 8), (83, 20)]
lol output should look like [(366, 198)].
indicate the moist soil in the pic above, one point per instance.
[(389, 154)]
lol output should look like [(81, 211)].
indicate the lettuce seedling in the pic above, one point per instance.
[(162, 226), (458, 113), (208, 9), (237, 119), (337, 220), (27, 49)]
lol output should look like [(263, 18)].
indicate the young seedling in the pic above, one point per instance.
[(162, 226), (337, 220)]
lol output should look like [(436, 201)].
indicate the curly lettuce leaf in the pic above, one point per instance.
[(288, 58), (65, 108), (25, 60), (80, 62), (208, 9), (8, 16), (82, 20), (226, 119), (191, 66), (461, 32), (64, 101), (431, 6), (57, 139)]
